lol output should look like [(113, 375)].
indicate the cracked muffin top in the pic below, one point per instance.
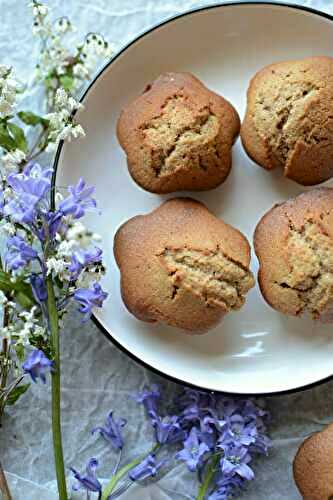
[(289, 119), (178, 135), (182, 266), (294, 245)]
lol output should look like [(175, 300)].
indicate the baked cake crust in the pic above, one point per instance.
[(178, 135), (294, 245), (182, 266), (289, 119), (313, 466)]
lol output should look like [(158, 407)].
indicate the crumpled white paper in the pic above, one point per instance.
[(96, 376)]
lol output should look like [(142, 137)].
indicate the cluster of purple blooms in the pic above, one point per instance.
[(39, 228), (208, 429)]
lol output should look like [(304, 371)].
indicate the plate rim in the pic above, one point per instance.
[(98, 74)]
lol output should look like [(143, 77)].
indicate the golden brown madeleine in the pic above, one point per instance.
[(182, 266), (289, 119), (313, 466), (178, 135), (294, 245)]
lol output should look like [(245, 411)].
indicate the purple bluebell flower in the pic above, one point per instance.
[(262, 444), (209, 428), (38, 287), (32, 184), (226, 488), (238, 431), (112, 431), (79, 200), (88, 481), (36, 365), (20, 212), (193, 451), (235, 461), (54, 222), (83, 258), (2, 202), (19, 253), (149, 398), (149, 467), (30, 187), (89, 298), (168, 429)]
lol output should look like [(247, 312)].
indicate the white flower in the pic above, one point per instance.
[(58, 197), (8, 90), (39, 9), (9, 228), (3, 298), (12, 159), (5, 332), (64, 101), (70, 132), (81, 71), (66, 248), (78, 232), (63, 25), (29, 316), (61, 124), (55, 266), (4, 70)]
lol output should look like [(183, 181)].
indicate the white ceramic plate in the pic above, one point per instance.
[(256, 350)]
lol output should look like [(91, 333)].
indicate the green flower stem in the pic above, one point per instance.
[(123, 471), (55, 376), (211, 469), (4, 485)]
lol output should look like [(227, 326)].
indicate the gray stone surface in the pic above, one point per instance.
[(98, 377)]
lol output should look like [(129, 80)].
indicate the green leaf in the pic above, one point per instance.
[(19, 349), (18, 136), (30, 118), (17, 393), (5, 284), (21, 290), (24, 299), (67, 82), (6, 141)]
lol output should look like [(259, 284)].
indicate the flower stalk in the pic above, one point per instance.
[(211, 469), (109, 488), (4, 488), (56, 394)]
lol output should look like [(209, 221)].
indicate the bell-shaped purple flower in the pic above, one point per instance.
[(235, 461), (36, 365), (112, 431), (168, 429), (84, 258), (19, 253), (88, 481), (20, 212), (89, 298), (30, 187), (226, 487), (38, 287), (149, 398), (79, 200), (149, 467), (193, 451)]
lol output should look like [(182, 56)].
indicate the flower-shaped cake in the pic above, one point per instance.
[(182, 266)]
